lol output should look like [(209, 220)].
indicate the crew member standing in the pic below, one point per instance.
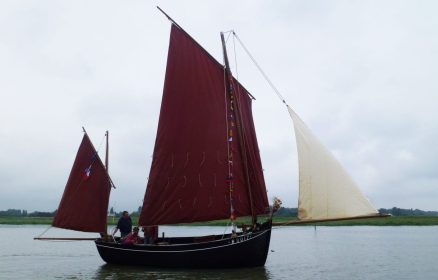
[(124, 225)]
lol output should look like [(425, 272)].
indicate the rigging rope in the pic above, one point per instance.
[(271, 84), (226, 227), (47, 229), (277, 92), (100, 145), (235, 57), (261, 70)]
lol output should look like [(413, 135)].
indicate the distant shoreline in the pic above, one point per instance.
[(391, 221)]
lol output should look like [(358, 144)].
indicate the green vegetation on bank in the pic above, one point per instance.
[(401, 217), (16, 220), (390, 221)]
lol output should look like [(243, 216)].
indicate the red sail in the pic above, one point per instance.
[(189, 176), (84, 204)]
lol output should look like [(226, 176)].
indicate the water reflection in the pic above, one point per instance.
[(108, 271)]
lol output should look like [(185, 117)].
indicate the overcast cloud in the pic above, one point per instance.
[(361, 74)]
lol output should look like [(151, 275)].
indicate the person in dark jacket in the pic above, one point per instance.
[(124, 225)]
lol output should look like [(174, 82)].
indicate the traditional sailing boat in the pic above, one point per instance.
[(206, 166)]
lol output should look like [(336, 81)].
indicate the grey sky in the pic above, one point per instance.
[(361, 74)]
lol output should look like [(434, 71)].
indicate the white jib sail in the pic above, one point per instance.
[(326, 190)]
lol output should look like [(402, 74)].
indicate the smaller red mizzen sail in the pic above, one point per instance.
[(84, 204)]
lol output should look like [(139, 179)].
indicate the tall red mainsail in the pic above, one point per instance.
[(190, 172), (84, 204)]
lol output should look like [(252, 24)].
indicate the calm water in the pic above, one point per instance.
[(295, 253)]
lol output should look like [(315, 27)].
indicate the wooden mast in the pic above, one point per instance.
[(240, 132), (107, 172), (106, 152)]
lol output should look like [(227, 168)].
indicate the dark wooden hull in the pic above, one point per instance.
[(247, 250)]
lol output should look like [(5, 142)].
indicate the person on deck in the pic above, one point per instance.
[(124, 224), (132, 238), (150, 234)]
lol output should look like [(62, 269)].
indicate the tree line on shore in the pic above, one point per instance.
[(282, 212)]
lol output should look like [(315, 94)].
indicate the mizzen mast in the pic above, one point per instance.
[(107, 151)]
